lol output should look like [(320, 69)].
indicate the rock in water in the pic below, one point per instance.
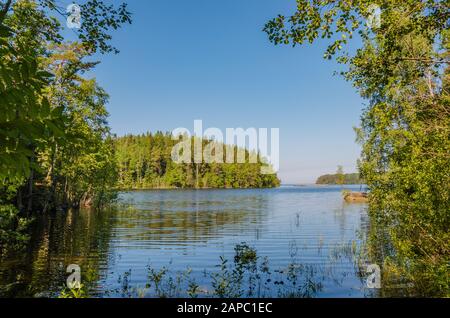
[(356, 197)]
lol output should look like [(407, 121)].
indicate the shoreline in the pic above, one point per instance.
[(254, 188)]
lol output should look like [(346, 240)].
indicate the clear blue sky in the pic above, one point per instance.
[(209, 59)]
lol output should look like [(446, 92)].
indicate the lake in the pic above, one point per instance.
[(189, 231)]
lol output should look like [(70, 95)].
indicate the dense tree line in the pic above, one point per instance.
[(348, 178), (55, 146), (145, 161), (56, 149), (402, 70)]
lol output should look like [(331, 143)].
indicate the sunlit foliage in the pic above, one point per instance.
[(402, 71)]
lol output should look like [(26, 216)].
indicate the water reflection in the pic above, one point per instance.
[(76, 237), (184, 217), (192, 229)]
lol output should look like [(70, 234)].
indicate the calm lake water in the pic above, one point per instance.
[(193, 229)]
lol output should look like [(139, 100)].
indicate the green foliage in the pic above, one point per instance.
[(83, 165), (25, 115), (402, 70), (74, 292), (12, 229), (247, 275), (145, 161), (340, 175), (55, 148), (245, 255), (98, 19), (348, 178), (25, 118)]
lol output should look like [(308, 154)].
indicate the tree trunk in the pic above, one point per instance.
[(4, 10), (196, 176), (19, 200), (50, 195), (30, 193)]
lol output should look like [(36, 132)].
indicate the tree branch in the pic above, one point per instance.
[(425, 60), (4, 10)]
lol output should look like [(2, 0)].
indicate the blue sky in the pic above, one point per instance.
[(209, 59)]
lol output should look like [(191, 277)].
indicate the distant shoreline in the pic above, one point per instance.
[(260, 188), (175, 188), (323, 185), (340, 179)]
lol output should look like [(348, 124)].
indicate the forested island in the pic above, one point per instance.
[(145, 162), (348, 178)]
